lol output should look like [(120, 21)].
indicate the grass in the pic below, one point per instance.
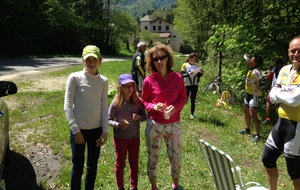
[(43, 113)]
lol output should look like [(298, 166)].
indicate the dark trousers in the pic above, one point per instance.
[(192, 90), (78, 151), (122, 147)]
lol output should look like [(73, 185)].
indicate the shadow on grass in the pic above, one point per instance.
[(216, 121), (19, 173)]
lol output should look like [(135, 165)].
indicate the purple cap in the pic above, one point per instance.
[(125, 78)]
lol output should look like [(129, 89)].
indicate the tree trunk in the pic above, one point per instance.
[(220, 64), (127, 45)]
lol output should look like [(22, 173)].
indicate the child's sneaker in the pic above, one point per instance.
[(177, 188), (192, 117), (256, 138), (244, 131)]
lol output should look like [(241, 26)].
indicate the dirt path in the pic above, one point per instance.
[(37, 165)]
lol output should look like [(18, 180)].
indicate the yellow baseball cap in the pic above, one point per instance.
[(91, 50)]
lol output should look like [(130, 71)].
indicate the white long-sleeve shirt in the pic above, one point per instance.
[(286, 92), (86, 101)]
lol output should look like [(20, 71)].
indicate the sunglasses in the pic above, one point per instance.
[(159, 58)]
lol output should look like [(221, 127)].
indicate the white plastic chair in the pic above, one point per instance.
[(223, 170)]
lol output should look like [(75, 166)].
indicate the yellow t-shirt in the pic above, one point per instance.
[(252, 82), (284, 110), (192, 78)]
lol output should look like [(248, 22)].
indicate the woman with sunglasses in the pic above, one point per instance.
[(163, 96)]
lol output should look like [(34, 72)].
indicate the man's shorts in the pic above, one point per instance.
[(251, 100), (284, 137)]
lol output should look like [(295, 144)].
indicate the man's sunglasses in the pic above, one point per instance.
[(159, 58)]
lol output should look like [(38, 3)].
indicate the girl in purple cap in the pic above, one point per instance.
[(125, 114)]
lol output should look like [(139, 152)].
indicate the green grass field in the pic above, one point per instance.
[(216, 125)]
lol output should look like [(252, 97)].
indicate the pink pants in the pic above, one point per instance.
[(122, 146)]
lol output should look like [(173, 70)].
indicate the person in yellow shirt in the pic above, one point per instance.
[(255, 83), (285, 135), (138, 70), (191, 72)]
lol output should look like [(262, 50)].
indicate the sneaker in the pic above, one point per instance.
[(244, 132), (256, 138), (267, 121), (197, 102), (192, 117), (178, 188)]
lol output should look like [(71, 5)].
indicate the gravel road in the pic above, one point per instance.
[(21, 65)]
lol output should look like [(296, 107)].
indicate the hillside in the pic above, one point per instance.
[(139, 8)]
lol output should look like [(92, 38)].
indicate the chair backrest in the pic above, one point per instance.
[(221, 167)]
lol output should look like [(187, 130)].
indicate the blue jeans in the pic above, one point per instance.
[(93, 152)]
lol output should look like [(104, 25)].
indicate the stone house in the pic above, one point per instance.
[(165, 29)]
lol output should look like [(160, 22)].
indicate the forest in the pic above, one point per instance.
[(138, 8), (222, 31), (50, 27), (219, 31)]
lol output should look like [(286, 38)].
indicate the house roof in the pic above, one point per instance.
[(158, 18), (164, 35), (146, 18)]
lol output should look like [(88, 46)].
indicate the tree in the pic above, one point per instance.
[(148, 37), (21, 27), (165, 13), (126, 28), (63, 26), (192, 24)]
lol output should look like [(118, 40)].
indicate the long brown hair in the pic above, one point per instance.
[(119, 98), (159, 47)]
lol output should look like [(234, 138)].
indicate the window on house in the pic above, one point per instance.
[(146, 27), (154, 28), (167, 27), (174, 36), (159, 28), (160, 22)]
